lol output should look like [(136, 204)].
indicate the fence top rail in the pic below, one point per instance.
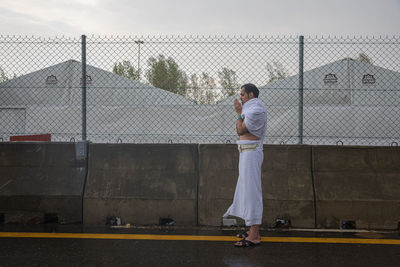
[(203, 39)]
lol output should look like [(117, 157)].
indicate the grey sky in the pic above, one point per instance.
[(156, 17)]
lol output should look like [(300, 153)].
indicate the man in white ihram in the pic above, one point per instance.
[(251, 126)]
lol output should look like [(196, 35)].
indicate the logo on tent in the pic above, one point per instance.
[(330, 78), (368, 79), (51, 79), (88, 80)]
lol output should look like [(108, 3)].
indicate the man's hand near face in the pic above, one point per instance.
[(238, 106), (240, 126)]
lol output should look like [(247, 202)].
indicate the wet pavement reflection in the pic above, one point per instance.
[(119, 252)]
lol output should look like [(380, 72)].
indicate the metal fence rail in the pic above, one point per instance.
[(180, 89)]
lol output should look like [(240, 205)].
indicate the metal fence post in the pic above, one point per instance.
[(301, 65), (84, 87)]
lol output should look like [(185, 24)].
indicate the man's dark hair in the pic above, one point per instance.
[(249, 87)]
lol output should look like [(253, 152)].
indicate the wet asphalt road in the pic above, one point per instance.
[(100, 252)]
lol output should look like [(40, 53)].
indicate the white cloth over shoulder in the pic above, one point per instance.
[(247, 202), (255, 117)]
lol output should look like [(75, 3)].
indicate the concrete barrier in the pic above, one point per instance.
[(359, 184), (195, 184), (218, 172), (41, 181), (287, 185), (141, 183), (286, 180)]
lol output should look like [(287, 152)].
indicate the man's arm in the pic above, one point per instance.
[(241, 127)]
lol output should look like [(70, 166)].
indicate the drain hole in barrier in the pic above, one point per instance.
[(2, 218), (283, 223), (347, 225), (166, 221), (50, 218), (113, 220)]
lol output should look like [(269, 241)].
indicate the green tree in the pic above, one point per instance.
[(4, 77), (276, 71), (202, 89), (193, 91), (207, 83), (228, 81), (126, 69), (183, 83), (165, 73)]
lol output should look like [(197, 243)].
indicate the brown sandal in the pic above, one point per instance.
[(242, 235), (246, 243)]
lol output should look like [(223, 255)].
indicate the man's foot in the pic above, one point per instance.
[(243, 235), (247, 243)]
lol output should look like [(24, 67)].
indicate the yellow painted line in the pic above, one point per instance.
[(202, 238), (331, 240)]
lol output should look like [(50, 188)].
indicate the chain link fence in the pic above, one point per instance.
[(180, 89)]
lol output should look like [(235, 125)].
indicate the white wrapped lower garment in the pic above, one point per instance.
[(247, 202)]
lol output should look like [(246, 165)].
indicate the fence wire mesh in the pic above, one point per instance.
[(180, 89)]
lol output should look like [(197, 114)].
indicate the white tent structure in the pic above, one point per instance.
[(49, 101), (349, 101)]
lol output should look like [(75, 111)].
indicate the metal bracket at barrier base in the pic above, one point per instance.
[(81, 150)]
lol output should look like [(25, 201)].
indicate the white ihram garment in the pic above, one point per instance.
[(247, 202)]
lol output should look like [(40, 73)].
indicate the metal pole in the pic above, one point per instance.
[(139, 42), (84, 87), (138, 64), (301, 65)]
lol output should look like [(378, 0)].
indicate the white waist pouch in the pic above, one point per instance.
[(247, 147)]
